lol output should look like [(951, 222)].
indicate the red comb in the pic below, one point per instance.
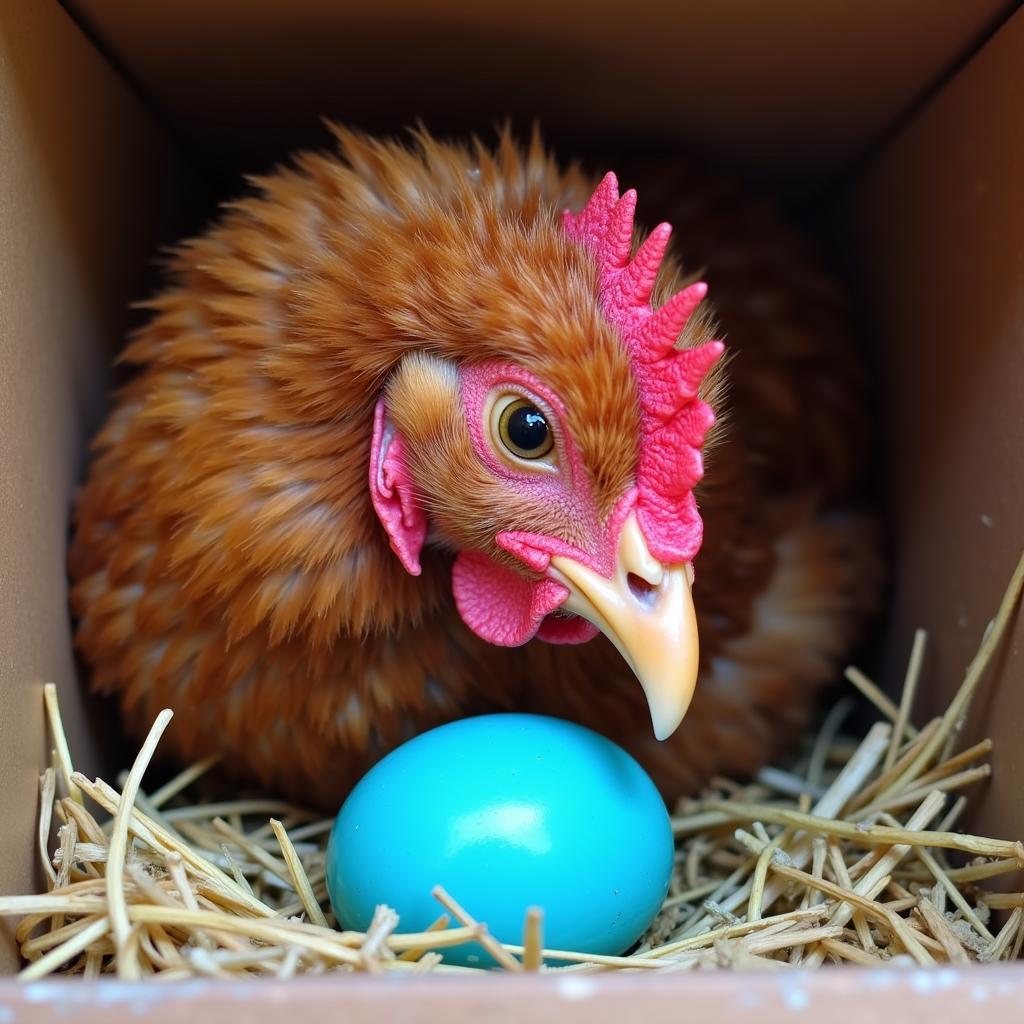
[(673, 420)]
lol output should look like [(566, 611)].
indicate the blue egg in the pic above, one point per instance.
[(506, 812)]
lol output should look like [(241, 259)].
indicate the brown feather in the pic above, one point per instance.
[(227, 561)]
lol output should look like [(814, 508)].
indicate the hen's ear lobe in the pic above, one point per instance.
[(393, 494)]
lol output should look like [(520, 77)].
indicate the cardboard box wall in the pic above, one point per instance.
[(899, 122)]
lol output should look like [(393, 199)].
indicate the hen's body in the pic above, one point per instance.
[(228, 564)]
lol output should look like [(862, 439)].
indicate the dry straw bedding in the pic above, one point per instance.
[(849, 854)]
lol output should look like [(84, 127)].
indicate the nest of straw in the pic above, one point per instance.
[(848, 854)]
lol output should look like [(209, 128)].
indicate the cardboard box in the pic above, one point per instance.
[(895, 129)]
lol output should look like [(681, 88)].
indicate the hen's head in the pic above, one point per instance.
[(538, 418)]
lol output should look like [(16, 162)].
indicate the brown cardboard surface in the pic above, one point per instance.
[(846, 994), (86, 183), (935, 227), (788, 90), (935, 230)]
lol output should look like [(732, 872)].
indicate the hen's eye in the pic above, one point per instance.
[(524, 430)]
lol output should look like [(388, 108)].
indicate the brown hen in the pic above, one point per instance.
[(229, 560)]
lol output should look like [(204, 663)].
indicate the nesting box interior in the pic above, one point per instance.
[(891, 131)]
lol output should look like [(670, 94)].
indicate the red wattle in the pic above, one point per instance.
[(498, 604)]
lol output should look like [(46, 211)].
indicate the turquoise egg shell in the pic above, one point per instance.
[(506, 812)]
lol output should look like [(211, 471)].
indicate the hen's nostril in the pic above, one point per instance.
[(641, 589)]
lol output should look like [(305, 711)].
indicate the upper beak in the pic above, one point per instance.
[(646, 610)]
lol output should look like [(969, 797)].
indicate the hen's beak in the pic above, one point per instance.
[(646, 610)]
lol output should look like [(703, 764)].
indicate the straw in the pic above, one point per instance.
[(844, 853)]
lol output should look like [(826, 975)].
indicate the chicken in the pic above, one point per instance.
[(407, 442)]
